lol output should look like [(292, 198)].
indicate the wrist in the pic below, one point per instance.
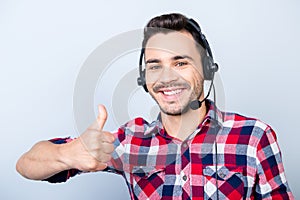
[(64, 156)]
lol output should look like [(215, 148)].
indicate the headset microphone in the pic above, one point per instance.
[(194, 105)]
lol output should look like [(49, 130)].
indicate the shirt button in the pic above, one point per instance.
[(184, 177), (221, 174), (184, 144)]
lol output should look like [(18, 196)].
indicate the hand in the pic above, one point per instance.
[(92, 150)]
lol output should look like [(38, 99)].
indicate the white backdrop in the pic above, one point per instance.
[(44, 44)]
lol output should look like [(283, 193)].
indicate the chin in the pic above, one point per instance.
[(174, 111)]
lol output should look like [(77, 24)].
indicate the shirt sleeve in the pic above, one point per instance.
[(116, 163), (114, 166), (62, 176), (272, 183)]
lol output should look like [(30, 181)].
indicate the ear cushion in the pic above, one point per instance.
[(208, 71), (144, 80)]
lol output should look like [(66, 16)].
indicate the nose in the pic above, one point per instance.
[(168, 75)]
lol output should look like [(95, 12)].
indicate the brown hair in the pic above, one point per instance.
[(172, 22)]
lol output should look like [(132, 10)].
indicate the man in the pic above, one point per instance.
[(192, 151)]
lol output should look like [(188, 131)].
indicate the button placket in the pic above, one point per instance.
[(183, 173), (222, 175), (183, 177)]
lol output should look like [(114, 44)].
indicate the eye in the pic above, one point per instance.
[(153, 67), (181, 63)]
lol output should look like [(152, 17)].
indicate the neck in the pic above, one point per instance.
[(181, 126)]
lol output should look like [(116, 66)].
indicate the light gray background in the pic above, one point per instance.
[(44, 43)]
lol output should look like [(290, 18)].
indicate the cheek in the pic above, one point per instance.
[(151, 79), (149, 85), (192, 77), (197, 76)]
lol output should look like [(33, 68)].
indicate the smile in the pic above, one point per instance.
[(172, 92)]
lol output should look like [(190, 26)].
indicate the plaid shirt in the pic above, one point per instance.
[(245, 164)]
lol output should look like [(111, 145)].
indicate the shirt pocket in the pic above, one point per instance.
[(147, 181), (145, 172), (230, 182)]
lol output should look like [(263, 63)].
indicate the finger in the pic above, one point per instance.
[(99, 167), (107, 137), (104, 158), (108, 148), (102, 116)]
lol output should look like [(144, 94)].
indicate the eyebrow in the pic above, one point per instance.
[(179, 57)]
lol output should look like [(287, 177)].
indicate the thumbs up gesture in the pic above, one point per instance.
[(92, 150)]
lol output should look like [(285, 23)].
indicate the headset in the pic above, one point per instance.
[(209, 66)]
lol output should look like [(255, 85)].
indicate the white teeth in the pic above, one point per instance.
[(172, 92)]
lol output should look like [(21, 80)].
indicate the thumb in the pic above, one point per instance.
[(102, 116)]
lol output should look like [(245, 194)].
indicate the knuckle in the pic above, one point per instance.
[(93, 164), (108, 148), (111, 148), (112, 138), (108, 137)]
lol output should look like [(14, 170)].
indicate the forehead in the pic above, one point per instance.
[(175, 43)]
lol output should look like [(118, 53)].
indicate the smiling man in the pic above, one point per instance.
[(192, 151), (174, 78)]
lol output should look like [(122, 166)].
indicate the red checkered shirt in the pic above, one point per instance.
[(245, 164)]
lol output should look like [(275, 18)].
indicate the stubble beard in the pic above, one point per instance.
[(185, 107)]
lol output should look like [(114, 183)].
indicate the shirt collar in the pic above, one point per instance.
[(214, 115)]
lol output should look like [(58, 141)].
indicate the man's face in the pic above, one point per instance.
[(174, 74)]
